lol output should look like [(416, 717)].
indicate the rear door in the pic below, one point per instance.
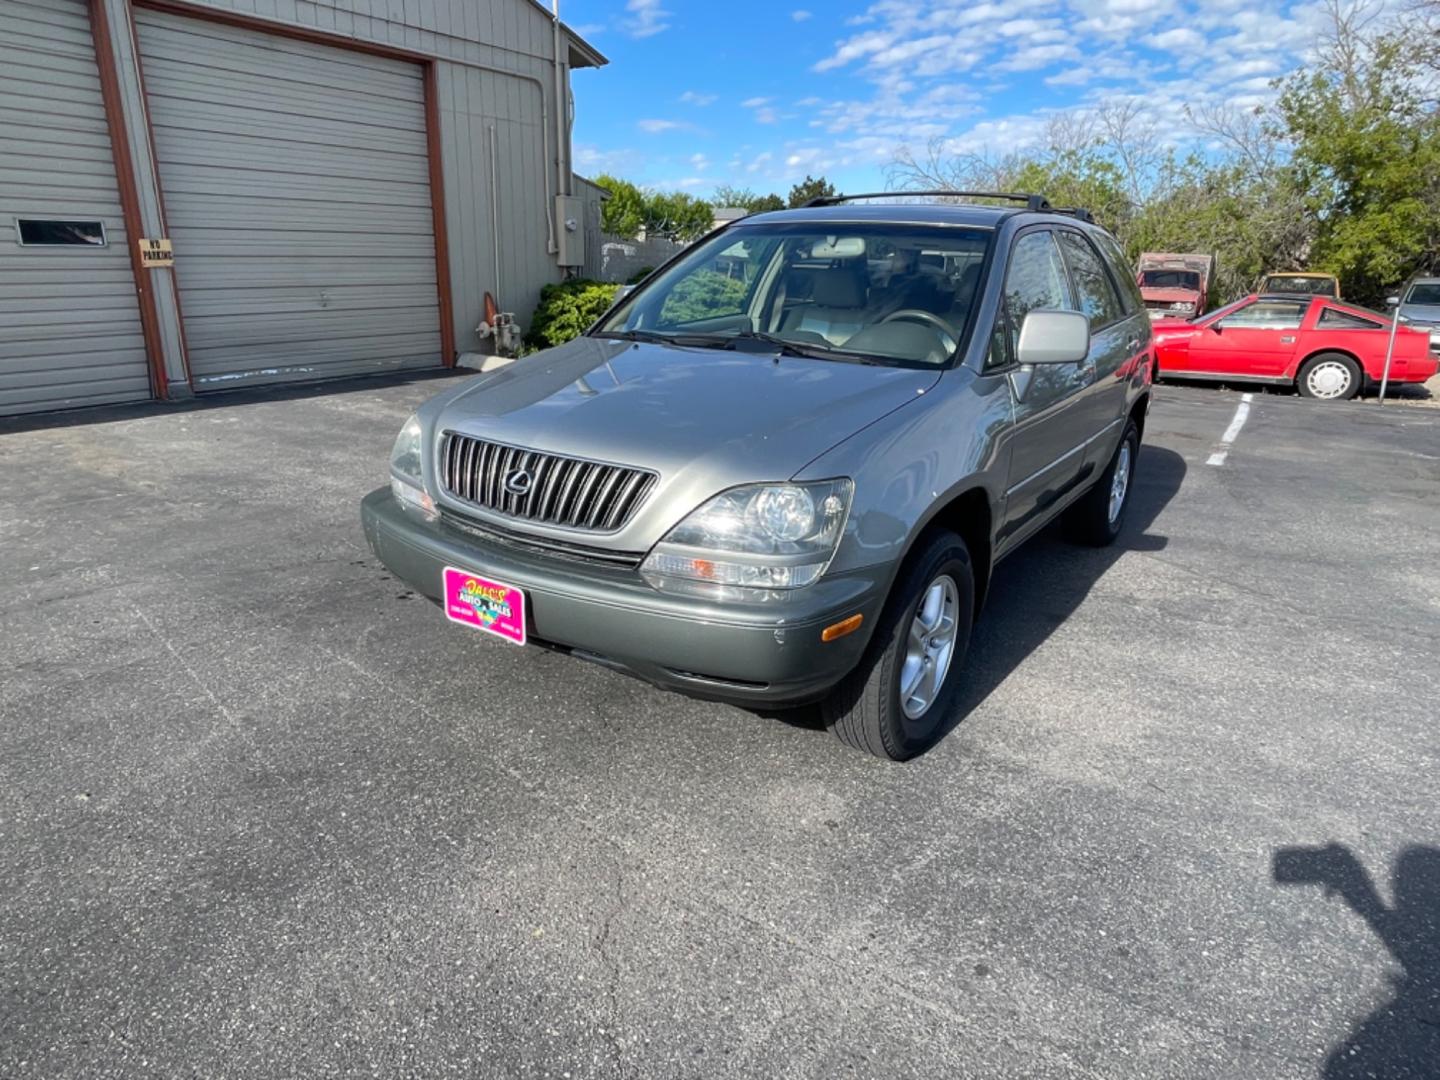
[(1048, 441), (1254, 340)]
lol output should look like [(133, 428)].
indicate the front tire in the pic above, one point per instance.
[(1099, 515), (895, 703), (1329, 377)]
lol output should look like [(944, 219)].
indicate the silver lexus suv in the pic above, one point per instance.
[(782, 470)]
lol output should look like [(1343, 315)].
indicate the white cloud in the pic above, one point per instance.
[(801, 16), (694, 97), (659, 127), (645, 18), (1177, 39), (763, 111)]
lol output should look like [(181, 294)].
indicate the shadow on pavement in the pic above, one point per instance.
[(224, 399), (1036, 589), (1401, 1039)]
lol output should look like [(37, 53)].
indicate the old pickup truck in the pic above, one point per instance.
[(1175, 286)]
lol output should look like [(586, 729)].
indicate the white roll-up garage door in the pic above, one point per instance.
[(297, 196), (69, 316)]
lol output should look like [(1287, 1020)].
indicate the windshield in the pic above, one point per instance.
[(1309, 286), (1170, 279), (890, 294), (1428, 293)]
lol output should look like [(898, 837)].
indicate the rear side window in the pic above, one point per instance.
[(1268, 315), (1093, 287), (1035, 281), (1333, 319), (1124, 273)]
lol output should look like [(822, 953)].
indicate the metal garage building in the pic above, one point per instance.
[(196, 195)]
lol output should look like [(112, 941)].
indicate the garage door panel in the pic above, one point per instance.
[(214, 185), (278, 331), (202, 88), (226, 51), (296, 179), (308, 215), (280, 299), (323, 360), (296, 166), (105, 342), (255, 129), (306, 273), (69, 317)]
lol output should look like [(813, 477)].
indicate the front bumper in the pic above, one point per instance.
[(749, 654)]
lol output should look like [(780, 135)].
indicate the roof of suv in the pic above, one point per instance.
[(974, 214)]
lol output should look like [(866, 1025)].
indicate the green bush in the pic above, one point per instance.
[(566, 311), (705, 294)]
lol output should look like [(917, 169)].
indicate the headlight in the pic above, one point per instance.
[(748, 541), (405, 470)]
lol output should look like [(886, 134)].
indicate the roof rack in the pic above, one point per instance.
[(1079, 213), (1032, 202)]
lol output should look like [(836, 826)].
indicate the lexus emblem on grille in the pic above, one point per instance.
[(519, 481)]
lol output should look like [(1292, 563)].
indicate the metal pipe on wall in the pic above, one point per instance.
[(495, 208), (562, 107)]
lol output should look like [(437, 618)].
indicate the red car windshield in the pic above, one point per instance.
[(1170, 279)]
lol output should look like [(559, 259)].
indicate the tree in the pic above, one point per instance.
[(623, 214), (673, 215), (677, 216), (728, 195), (811, 188), (1367, 153)]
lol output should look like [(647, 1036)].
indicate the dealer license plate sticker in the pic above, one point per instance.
[(472, 600)]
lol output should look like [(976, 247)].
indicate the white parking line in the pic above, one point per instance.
[(1242, 413)]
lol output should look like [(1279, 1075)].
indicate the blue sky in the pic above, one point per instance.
[(700, 93)]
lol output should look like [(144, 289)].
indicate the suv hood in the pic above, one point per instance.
[(704, 419), (1424, 314)]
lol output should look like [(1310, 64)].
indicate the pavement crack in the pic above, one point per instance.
[(601, 944)]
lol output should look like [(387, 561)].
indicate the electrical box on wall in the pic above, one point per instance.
[(570, 228)]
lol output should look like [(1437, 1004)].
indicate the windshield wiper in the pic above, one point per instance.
[(728, 341), (799, 348), (701, 341)]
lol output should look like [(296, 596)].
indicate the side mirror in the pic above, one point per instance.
[(1392, 301), (1053, 337)]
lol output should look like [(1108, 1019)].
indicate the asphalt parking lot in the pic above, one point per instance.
[(263, 812)]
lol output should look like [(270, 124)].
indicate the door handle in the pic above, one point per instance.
[(1132, 344)]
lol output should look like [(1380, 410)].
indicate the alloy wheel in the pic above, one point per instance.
[(929, 647)]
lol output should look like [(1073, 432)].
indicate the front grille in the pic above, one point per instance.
[(535, 545), (572, 492)]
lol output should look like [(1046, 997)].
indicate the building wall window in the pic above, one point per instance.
[(50, 232)]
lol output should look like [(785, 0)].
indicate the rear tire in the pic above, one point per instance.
[(1097, 518), (885, 706), (1329, 377)]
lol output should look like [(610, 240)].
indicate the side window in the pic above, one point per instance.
[(1123, 273), (998, 355), (1098, 298), (1334, 319), (1034, 281), (1268, 315)]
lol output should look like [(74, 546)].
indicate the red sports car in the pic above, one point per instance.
[(1326, 348)]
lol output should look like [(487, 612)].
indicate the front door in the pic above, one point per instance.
[(1255, 340), (1048, 441)]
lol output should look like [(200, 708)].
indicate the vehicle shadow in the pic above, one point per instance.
[(1036, 589), (1401, 1038), (225, 399)]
